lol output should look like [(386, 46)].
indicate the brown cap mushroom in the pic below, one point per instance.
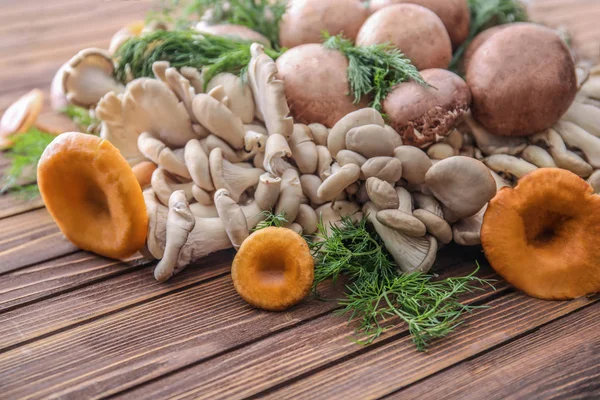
[(455, 14), (511, 95), (418, 32), (476, 44), (306, 20), (316, 84), (424, 115)]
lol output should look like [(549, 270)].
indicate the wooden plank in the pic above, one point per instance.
[(91, 301), (560, 361), (30, 238), (144, 342), (280, 358), (13, 204), (396, 365)]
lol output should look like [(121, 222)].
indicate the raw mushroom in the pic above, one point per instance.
[(20, 116), (310, 186), (577, 137), (333, 186), (164, 185), (336, 141), (290, 196), (233, 218), (372, 141), (411, 254), (476, 44), (463, 185), (196, 161), (415, 163), (467, 231), (430, 213), (276, 150), (219, 120), (269, 93), (235, 179), (417, 31), (490, 144), (241, 102), (440, 151), (562, 156), (506, 164), (538, 157), (388, 169), (530, 99), (304, 150), (426, 114), (124, 34), (402, 219), (382, 194), (325, 161), (157, 152), (351, 157), (332, 214), (88, 76), (319, 133), (307, 219), (586, 116)]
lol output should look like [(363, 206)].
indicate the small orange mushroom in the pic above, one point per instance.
[(273, 269), (93, 195), (543, 236), (20, 116)]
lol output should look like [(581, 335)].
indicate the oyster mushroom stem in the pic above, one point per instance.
[(538, 157), (310, 186), (290, 195), (235, 179), (267, 191), (411, 254), (562, 157), (319, 133), (304, 150), (509, 165), (324, 162), (276, 150), (233, 218), (180, 222), (196, 161)]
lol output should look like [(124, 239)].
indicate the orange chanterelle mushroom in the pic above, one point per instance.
[(93, 195), (543, 236), (273, 269)]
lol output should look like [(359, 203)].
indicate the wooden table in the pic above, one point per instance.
[(74, 325)]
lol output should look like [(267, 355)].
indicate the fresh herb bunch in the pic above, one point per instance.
[(81, 117), (25, 154), (262, 16), (486, 14), (277, 220), (183, 48), (374, 70), (378, 293)]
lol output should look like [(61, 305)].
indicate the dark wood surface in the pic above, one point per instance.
[(75, 325)]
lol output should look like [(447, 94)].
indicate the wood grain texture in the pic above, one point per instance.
[(394, 366), (559, 361)]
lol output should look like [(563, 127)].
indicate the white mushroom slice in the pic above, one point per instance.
[(440, 151), (219, 120), (411, 254), (88, 76), (331, 214), (310, 186), (235, 179), (233, 218), (382, 194), (196, 161), (290, 195), (538, 157), (435, 225), (202, 196), (319, 133), (503, 163), (333, 186), (586, 116), (490, 144), (268, 91), (194, 77), (307, 219), (324, 162), (180, 222), (467, 232), (461, 184), (371, 141), (241, 102), (336, 140), (415, 163), (276, 150), (594, 181), (579, 138), (350, 157), (164, 185), (158, 153), (149, 105), (304, 150), (388, 169)]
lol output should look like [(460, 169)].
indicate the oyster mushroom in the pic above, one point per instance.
[(88, 76), (233, 218), (423, 115), (235, 179), (506, 164), (430, 213), (157, 152), (538, 157), (241, 102), (331, 214), (276, 150), (350, 157), (562, 156), (20, 116), (197, 163), (440, 151), (577, 137), (467, 231), (584, 115), (415, 163), (382, 194), (335, 184), (402, 218), (219, 120), (304, 149), (388, 169), (290, 196), (372, 141), (490, 144), (319, 133), (307, 219), (163, 184), (336, 140), (310, 186)]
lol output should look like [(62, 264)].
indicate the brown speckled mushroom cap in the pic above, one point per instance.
[(417, 31), (316, 85), (522, 80), (454, 14), (423, 115)]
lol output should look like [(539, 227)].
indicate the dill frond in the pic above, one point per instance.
[(378, 294), (262, 16), (277, 220), (183, 48), (486, 14), (374, 70)]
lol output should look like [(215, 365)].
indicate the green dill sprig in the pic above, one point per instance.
[(486, 14), (374, 70), (271, 219), (378, 294), (183, 48), (262, 16), (25, 154), (81, 117)]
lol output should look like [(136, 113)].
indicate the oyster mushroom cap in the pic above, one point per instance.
[(235, 179), (436, 226), (372, 141), (304, 149), (388, 169), (336, 140), (490, 144), (411, 254), (316, 84), (164, 184), (88, 76), (233, 31), (382, 194), (197, 163), (424, 115), (219, 120), (241, 102), (402, 222), (290, 196), (277, 150), (528, 100), (467, 231), (20, 116), (462, 184), (337, 182), (331, 214), (415, 163), (418, 31), (157, 152)]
